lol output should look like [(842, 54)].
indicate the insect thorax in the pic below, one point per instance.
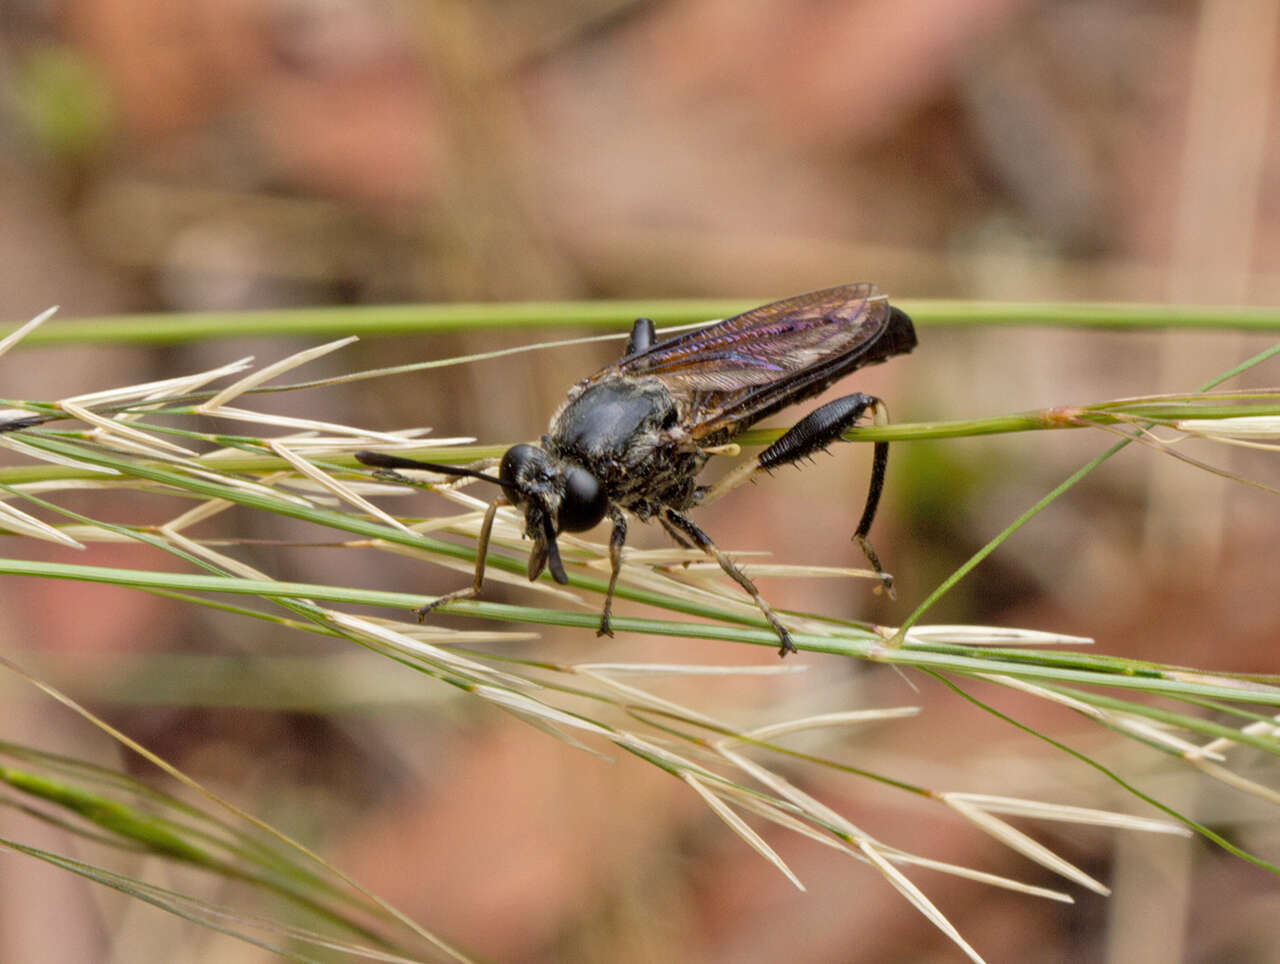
[(626, 432)]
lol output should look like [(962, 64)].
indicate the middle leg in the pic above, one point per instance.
[(703, 542), (617, 538)]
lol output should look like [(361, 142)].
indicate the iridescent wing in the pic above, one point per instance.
[(738, 371)]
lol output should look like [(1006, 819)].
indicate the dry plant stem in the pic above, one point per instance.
[(371, 321), (374, 900), (1043, 503), (657, 730)]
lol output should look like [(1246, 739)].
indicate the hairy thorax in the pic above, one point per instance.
[(626, 431)]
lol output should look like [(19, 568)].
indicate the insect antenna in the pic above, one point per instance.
[(381, 460), (26, 421), (546, 550)]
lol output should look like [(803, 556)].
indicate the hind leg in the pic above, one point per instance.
[(817, 430)]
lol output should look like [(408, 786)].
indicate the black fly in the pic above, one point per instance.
[(634, 436)]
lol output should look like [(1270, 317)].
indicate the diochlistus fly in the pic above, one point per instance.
[(633, 437)]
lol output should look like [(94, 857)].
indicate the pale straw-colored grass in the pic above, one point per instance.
[(148, 439)]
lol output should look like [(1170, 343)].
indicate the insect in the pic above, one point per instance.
[(633, 437)]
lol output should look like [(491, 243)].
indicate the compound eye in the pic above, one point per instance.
[(584, 502), (517, 463)]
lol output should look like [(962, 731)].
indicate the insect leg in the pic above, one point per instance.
[(704, 543), (616, 540), (677, 537), (675, 534), (642, 336), (482, 553), (812, 433), (879, 462)]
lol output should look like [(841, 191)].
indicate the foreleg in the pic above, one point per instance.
[(482, 553)]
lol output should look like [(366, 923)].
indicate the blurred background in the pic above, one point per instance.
[(222, 154)]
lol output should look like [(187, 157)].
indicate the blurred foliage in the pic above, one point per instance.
[(64, 103), (180, 172)]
